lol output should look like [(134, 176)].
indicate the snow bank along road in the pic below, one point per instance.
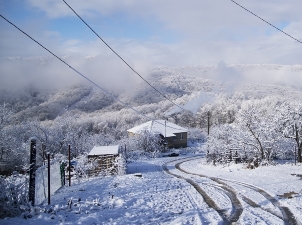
[(224, 196)]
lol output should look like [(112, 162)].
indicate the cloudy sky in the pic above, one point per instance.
[(155, 32)]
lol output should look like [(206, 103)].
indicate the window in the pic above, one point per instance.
[(181, 136)]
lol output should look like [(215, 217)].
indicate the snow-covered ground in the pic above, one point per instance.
[(157, 197), (283, 182)]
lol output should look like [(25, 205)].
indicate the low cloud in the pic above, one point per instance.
[(50, 73), (210, 35)]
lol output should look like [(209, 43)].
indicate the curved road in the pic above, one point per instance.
[(230, 192)]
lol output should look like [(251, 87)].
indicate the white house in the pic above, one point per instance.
[(174, 135)]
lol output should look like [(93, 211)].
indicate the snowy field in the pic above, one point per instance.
[(162, 191)]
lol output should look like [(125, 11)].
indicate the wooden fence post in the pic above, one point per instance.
[(32, 170), (48, 183)]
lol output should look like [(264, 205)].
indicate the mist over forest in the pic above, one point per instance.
[(61, 108)]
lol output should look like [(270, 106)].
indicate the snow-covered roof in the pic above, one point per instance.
[(158, 126), (104, 150)]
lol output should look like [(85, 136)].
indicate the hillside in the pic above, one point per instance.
[(196, 88), (83, 116)]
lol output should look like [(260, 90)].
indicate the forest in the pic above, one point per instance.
[(251, 120)]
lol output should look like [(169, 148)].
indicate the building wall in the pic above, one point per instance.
[(105, 163), (174, 142), (180, 140)]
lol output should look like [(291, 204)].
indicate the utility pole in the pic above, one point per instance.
[(165, 134), (208, 122), (69, 166)]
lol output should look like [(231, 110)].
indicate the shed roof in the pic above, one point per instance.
[(104, 150), (158, 126)]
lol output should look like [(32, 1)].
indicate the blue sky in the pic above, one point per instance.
[(147, 33), (115, 26), (211, 31)]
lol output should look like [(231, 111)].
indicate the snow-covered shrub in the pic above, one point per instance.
[(13, 195)]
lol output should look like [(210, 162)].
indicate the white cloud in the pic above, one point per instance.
[(210, 32)]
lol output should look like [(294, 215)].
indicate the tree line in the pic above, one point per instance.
[(262, 130)]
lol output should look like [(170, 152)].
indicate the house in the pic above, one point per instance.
[(174, 135), (104, 159)]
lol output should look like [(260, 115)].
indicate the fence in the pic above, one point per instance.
[(41, 181)]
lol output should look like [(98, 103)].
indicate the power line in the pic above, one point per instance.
[(122, 58), (82, 75), (265, 22)]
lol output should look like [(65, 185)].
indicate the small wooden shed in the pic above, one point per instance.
[(104, 159)]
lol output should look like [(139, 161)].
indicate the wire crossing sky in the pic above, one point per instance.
[(267, 22), (123, 59), (85, 77), (199, 33), (185, 35)]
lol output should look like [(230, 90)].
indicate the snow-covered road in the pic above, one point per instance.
[(180, 190), (259, 205)]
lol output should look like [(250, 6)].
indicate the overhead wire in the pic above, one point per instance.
[(266, 22), (85, 77), (122, 58)]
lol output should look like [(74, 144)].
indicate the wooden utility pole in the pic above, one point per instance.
[(208, 122), (165, 135), (69, 166)]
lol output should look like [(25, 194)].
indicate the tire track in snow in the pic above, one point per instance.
[(236, 205), (205, 196), (288, 217)]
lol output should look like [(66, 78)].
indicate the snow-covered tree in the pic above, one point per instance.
[(259, 130), (292, 124), (222, 143)]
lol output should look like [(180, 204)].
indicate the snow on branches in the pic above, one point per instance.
[(260, 132)]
